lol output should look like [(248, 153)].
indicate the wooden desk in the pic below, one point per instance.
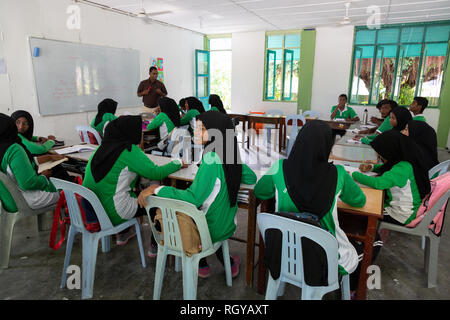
[(278, 121)]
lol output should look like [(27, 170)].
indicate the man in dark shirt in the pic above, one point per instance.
[(151, 90)]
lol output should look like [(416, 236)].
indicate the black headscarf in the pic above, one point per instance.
[(120, 134), (395, 147), (233, 171), (403, 116), (106, 106), (182, 102), (9, 136), (170, 107), (196, 104), (215, 101), (425, 138), (310, 179), (22, 113)]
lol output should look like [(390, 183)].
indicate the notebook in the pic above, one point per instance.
[(75, 149)]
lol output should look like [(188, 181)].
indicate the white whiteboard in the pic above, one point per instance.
[(72, 77)]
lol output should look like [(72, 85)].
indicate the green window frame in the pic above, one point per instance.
[(283, 55), (202, 76), (394, 61)]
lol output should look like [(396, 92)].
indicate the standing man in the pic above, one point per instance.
[(151, 90)]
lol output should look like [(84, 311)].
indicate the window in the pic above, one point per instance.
[(399, 62), (220, 55), (282, 66)]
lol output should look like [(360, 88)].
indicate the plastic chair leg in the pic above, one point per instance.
[(106, 244), (272, 288), (7, 222), (177, 264), (69, 246), (423, 242), (141, 247), (345, 287), (159, 272), (281, 288), (189, 284), (433, 262), (310, 293), (90, 247), (427, 254), (226, 261)]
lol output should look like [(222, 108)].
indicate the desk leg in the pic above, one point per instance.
[(367, 258), (280, 137), (266, 206), (243, 133), (251, 229)]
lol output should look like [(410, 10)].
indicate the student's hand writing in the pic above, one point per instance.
[(47, 173), (184, 164), (42, 140), (51, 138), (145, 193), (365, 167)]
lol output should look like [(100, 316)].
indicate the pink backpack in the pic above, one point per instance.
[(439, 186)]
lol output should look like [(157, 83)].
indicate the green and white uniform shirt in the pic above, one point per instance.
[(189, 118), (419, 117), (402, 195), (272, 184), (100, 127), (385, 126), (36, 148), (348, 112), (115, 190), (163, 122)]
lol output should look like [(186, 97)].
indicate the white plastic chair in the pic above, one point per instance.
[(8, 219), (172, 245), (294, 130), (432, 240), (83, 133), (311, 114), (292, 258), (90, 240), (440, 168), (269, 127)]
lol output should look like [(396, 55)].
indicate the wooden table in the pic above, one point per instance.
[(278, 121)]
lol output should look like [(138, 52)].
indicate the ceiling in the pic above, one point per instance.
[(227, 16)]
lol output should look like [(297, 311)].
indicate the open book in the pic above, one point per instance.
[(49, 164), (75, 149)]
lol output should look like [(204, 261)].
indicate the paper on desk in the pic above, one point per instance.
[(354, 141), (350, 170), (352, 130), (340, 120), (74, 149), (368, 126)]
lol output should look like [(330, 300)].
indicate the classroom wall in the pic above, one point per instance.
[(47, 18)]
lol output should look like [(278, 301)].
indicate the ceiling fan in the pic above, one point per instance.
[(146, 16), (346, 20)]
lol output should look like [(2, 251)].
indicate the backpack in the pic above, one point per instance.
[(62, 221), (439, 186)]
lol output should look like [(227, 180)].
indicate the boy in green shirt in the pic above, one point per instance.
[(417, 106), (342, 111)]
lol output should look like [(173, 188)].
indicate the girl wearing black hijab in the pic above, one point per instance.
[(399, 118), (106, 113), (217, 182), (167, 119), (403, 175), (19, 165), (216, 103), (113, 170), (194, 108), (25, 127), (425, 138), (307, 182)]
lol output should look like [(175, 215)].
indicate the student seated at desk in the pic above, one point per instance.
[(399, 118), (216, 184), (216, 103), (342, 111), (417, 106), (386, 107), (194, 107), (167, 119), (114, 168), (182, 106), (25, 126), (306, 182), (403, 175), (17, 162), (426, 139), (106, 111)]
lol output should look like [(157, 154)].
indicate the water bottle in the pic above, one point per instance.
[(365, 116)]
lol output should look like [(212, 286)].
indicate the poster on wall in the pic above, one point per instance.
[(158, 63)]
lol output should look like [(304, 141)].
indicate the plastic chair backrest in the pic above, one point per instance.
[(294, 131), (440, 168), (172, 237), (83, 132), (311, 114), (70, 189), (13, 189), (292, 256)]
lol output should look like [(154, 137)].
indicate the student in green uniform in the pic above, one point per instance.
[(17, 162), (216, 103), (307, 182), (403, 175), (417, 106), (386, 107), (194, 107), (216, 184), (399, 118), (105, 114), (25, 126), (342, 111), (426, 139), (182, 106), (114, 168), (167, 119)]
